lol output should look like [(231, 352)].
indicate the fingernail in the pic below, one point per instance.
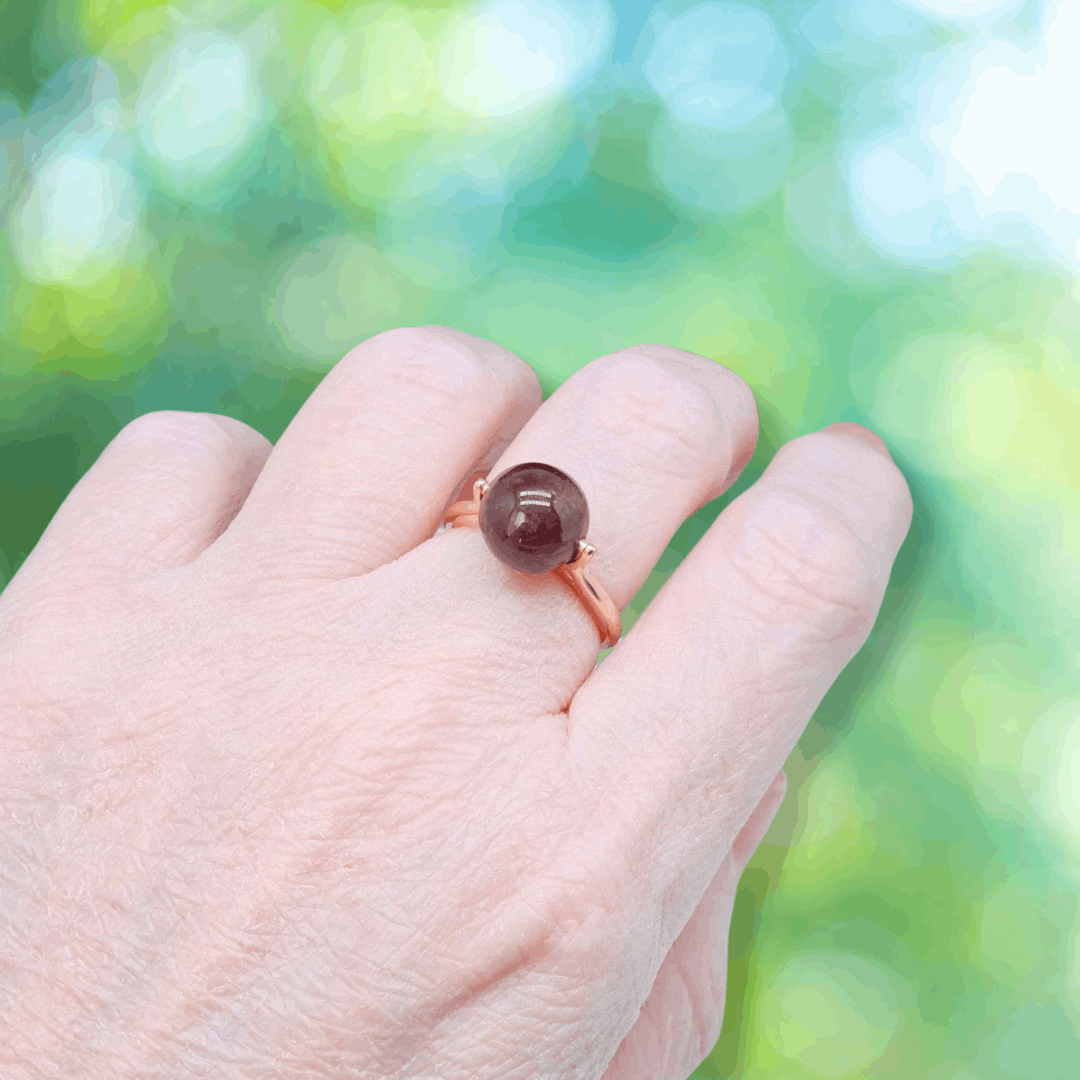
[(864, 435)]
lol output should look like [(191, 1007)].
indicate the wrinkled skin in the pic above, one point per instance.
[(296, 785)]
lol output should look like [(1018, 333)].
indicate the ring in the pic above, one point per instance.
[(534, 518)]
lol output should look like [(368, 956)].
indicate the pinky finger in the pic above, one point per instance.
[(681, 1019)]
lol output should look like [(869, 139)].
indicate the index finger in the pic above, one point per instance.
[(677, 734)]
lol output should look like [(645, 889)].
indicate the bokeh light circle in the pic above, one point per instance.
[(199, 107), (79, 216), (718, 66), (510, 56), (725, 141), (331, 295), (830, 1012)]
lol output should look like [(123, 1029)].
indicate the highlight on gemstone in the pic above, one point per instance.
[(533, 516)]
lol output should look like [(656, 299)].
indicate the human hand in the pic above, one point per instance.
[(295, 785)]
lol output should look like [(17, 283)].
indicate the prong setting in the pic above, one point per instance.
[(552, 505), (585, 552)]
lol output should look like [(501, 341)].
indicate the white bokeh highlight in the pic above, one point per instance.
[(511, 56), (200, 107), (965, 10), (718, 65), (1023, 120), (725, 140), (990, 153), (897, 198), (1051, 754), (81, 211)]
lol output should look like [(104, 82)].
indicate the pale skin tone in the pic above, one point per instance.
[(294, 785)]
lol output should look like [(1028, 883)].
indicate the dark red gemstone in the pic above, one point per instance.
[(533, 516)]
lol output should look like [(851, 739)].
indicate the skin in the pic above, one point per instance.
[(294, 785)]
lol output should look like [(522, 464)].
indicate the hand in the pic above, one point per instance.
[(295, 785)]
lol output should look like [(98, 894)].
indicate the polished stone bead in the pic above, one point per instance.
[(533, 516)]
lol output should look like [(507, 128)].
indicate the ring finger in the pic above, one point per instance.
[(650, 434)]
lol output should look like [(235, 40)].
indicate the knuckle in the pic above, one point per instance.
[(672, 419), (174, 423), (431, 359), (167, 420), (407, 339), (854, 476), (198, 436), (801, 559), (240, 433), (719, 381)]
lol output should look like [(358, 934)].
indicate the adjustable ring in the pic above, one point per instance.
[(534, 518)]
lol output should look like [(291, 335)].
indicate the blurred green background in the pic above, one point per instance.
[(869, 210)]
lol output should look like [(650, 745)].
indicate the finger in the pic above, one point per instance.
[(682, 1017), (650, 434), (677, 734), (162, 491), (367, 466)]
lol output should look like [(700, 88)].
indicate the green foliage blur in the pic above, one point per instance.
[(912, 910)]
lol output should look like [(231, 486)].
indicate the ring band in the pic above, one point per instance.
[(533, 518)]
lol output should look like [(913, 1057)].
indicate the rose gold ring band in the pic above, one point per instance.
[(589, 591)]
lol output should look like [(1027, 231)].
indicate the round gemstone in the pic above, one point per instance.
[(533, 516)]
